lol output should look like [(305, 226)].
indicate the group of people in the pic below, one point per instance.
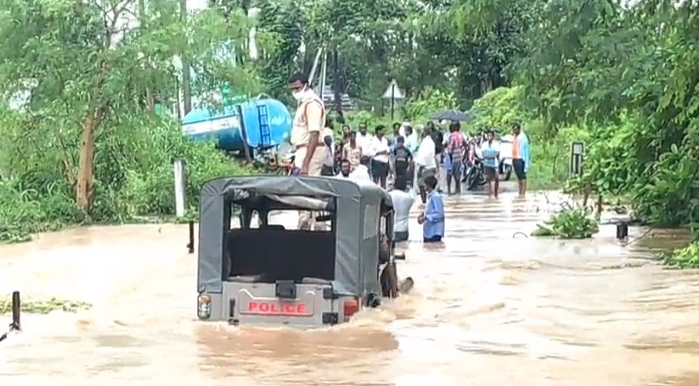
[(362, 156), (489, 152)]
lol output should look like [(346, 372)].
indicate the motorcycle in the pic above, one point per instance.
[(281, 165), (505, 165), (288, 168), (474, 175)]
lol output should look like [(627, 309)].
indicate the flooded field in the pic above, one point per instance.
[(488, 309)]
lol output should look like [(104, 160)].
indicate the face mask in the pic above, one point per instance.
[(298, 95)]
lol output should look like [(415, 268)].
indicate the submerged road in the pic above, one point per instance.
[(487, 309)]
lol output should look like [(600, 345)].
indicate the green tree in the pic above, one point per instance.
[(80, 81)]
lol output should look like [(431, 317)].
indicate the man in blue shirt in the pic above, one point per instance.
[(432, 219), (411, 141), (490, 150)]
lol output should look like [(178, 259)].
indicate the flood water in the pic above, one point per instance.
[(488, 309)]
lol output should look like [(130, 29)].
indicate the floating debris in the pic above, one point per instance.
[(45, 306)]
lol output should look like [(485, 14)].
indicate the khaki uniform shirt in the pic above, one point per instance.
[(309, 117)]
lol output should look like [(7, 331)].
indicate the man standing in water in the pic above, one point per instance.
[(520, 157), (306, 134), (490, 150), (456, 148), (402, 202), (432, 219)]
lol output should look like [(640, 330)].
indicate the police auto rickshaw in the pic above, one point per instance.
[(268, 274)]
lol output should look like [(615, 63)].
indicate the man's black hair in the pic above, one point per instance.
[(396, 124), (516, 125), (454, 126), (344, 161), (362, 124), (431, 182), (401, 183), (379, 128), (298, 77)]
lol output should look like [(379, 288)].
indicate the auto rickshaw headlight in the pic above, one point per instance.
[(204, 306)]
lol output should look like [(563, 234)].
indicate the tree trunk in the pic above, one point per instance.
[(186, 76), (338, 87), (83, 189)]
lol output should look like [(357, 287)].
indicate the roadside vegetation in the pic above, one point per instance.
[(87, 133), (572, 223), (45, 306)]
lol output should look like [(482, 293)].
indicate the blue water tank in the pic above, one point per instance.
[(268, 124)]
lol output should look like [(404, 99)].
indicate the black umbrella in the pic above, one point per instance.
[(453, 115)]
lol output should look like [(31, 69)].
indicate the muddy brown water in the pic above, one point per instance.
[(488, 309)]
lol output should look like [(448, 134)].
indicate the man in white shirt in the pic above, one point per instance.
[(380, 150), (426, 162), (329, 161), (364, 140), (402, 202), (345, 169), (361, 172)]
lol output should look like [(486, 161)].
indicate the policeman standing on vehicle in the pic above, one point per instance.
[(308, 124)]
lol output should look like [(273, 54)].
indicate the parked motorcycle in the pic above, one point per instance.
[(288, 168), (475, 176), (505, 166)]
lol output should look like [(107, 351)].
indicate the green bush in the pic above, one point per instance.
[(575, 223), (687, 257), (133, 176)]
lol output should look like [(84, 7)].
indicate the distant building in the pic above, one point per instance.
[(329, 99)]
